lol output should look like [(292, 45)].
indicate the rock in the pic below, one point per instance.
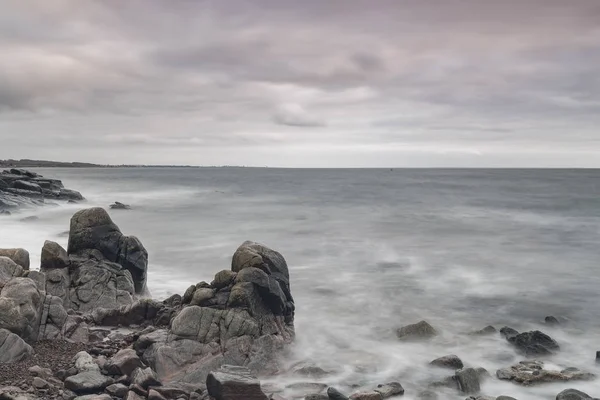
[(366, 396), (144, 377), (188, 295), (201, 296), (92, 397), (419, 331), (316, 397), (13, 348), (488, 330), (87, 382), (598, 357), (234, 385), (551, 321), (509, 333), (20, 308), (93, 229), (223, 279), (535, 343), (154, 395), (335, 394), (53, 256), (9, 270), (572, 394), (123, 363), (427, 395), (452, 362), (19, 256), (390, 389), (39, 383), (131, 395), (505, 398), (29, 186), (468, 380), (38, 371), (532, 372), (310, 370), (120, 206)]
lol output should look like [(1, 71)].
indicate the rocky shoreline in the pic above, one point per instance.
[(85, 327)]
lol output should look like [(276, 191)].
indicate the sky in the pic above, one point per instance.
[(311, 83)]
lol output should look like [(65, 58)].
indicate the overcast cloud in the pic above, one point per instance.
[(302, 83)]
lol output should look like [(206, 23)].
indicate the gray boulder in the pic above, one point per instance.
[(9, 270), (89, 379), (20, 308), (451, 361), (419, 331), (123, 363), (234, 384), (19, 256), (144, 377), (390, 390), (29, 186), (527, 373), (535, 343), (572, 394), (335, 394), (53, 256), (468, 380), (93, 229), (13, 348)]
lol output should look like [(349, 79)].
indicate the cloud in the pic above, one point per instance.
[(296, 115), (483, 76)]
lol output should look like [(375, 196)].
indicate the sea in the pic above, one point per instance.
[(369, 251)]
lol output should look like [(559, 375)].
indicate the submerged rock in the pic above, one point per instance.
[(120, 206), (532, 372), (488, 330), (468, 380), (572, 394), (451, 361), (335, 394), (535, 343), (390, 390), (419, 331)]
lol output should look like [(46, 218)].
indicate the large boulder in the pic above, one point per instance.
[(419, 331), (232, 383), (20, 308), (535, 343), (19, 256), (93, 229), (53, 256), (242, 319), (13, 348)]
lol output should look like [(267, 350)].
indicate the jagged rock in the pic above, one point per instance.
[(451, 361), (154, 395), (572, 394), (390, 389), (234, 384), (131, 395), (117, 389), (532, 372), (468, 380), (535, 343), (123, 363), (12, 347), (419, 331), (53, 256), (93, 229), (19, 256), (144, 377)]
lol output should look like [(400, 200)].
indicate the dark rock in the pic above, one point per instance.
[(505, 398), (87, 382), (53, 256), (93, 229), (509, 333), (29, 186), (452, 362), (234, 385), (123, 363), (138, 389), (188, 295), (19, 256), (390, 389), (468, 380), (335, 394), (316, 397), (419, 331), (144, 377), (535, 343), (154, 395), (120, 206), (131, 395), (598, 357), (572, 394), (551, 321)]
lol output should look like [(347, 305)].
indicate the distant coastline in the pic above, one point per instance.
[(26, 163)]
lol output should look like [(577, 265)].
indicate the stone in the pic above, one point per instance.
[(427, 395), (91, 397), (390, 389), (335, 394), (505, 398), (451, 362), (366, 396), (53, 256), (527, 373), (468, 380), (201, 296), (123, 363), (39, 383), (19, 256), (223, 279), (488, 330), (316, 396), (9, 270), (44, 373), (21, 308), (535, 343), (419, 331), (93, 229), (131, 395), (144, 377), (120, 206), (551, 321), (87, 382), (236, 384), (509, 333), (188, 295), (572, 394), (154, 395)]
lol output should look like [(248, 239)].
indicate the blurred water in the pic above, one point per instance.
[(372, 250)]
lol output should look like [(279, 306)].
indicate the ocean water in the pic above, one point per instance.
[(370, 251)]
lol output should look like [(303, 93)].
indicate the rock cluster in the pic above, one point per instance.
[(22, 188)]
